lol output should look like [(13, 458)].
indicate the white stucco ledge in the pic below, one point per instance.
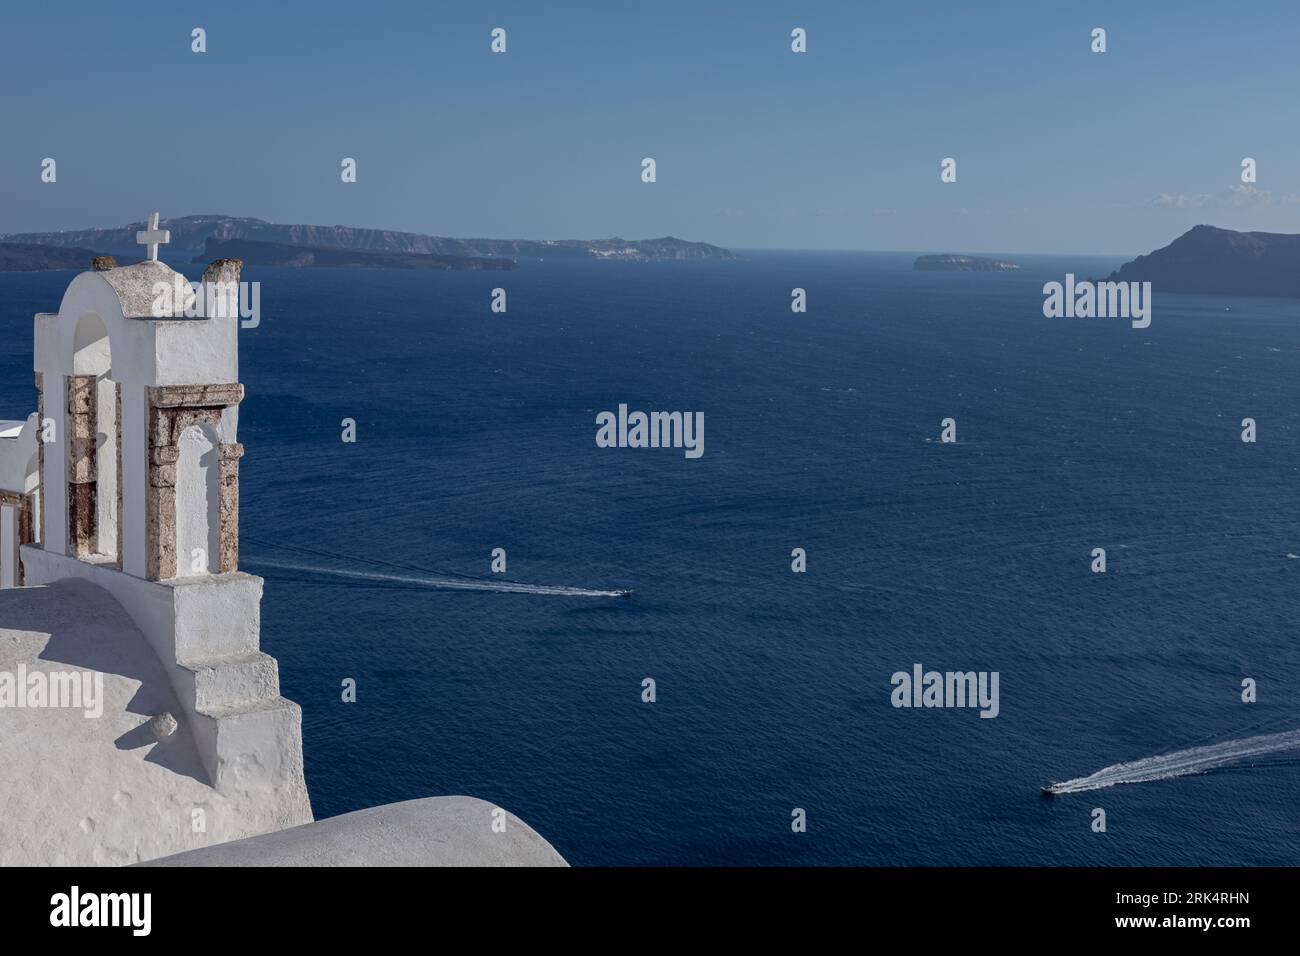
[(435, 831)]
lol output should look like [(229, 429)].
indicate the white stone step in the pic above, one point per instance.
[(256, 747), (227, 682)]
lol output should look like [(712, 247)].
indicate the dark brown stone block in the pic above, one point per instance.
[(81, 519)]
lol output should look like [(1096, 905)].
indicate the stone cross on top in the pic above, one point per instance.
[(152, 236)]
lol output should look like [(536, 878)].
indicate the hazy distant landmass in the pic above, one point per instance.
[(952, 263), (30, 257), (286, 254), (189, 235), (1212, 261)]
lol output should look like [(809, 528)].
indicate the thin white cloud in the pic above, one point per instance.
[(1239, 196)]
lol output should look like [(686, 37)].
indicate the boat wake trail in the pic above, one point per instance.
[(1181, 762), (433, 581)]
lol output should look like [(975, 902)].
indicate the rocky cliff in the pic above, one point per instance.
[(1213, 261), (30, 257), (190, 233), (284, 254)]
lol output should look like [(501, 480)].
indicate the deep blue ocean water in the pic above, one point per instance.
[(477, 431)]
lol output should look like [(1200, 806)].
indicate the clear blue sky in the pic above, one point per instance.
[(1058, 149)]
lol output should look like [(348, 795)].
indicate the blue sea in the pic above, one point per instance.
[(477, 431)]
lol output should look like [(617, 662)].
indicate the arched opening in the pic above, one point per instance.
[(91, 352), (198, 523), (94, 492)]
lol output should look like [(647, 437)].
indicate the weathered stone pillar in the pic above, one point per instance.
[(160, 498), (223, 270), (172, 409), (81, 465), (228, 483), (221, 288), (24, 533)]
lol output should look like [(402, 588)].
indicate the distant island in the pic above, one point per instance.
[(952, 263), (190, 234), (1210, 261), (321, 257), (30, 257)]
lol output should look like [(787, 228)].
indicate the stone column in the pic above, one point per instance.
[(81, 465), (160, 498), (24, 533), (221, 288), (228, 484), (172, 409)]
